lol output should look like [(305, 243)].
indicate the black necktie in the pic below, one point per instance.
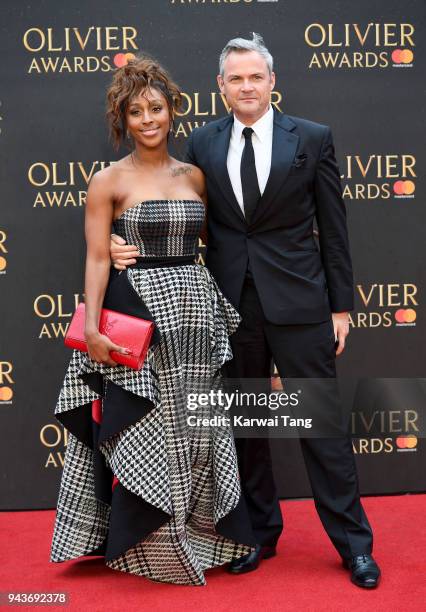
[(249, 183)]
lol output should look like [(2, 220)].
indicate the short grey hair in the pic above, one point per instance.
[(241, 45)]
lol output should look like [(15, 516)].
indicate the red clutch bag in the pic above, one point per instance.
[(128, 332)]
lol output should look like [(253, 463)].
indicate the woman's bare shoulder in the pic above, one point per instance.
[(195, 170), (194, 174), (107, 177)]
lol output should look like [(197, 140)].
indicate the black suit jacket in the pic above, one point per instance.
[(296, 281)]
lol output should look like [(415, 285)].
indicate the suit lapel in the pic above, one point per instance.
[(284, 147), (219, 145)]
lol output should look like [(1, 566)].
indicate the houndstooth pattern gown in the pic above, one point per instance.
[(137, 487)]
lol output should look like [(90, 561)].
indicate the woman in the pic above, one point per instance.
[(138, 486)]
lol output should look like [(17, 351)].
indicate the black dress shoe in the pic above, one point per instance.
[(365, 572), (250, 562)]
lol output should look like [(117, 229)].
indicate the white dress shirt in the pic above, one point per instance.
[(262, 146)]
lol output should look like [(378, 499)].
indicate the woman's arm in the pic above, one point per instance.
[(98, 219)]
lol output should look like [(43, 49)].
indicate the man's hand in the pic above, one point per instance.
[(341, 329), (122, 254)]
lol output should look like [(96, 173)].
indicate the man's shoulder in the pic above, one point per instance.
[(212, 126), (303, 124)]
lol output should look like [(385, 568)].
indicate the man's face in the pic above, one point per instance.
[(247, 84)]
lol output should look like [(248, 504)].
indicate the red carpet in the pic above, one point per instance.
[(306, 575)]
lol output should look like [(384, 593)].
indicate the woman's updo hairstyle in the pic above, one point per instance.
[(139, 74)]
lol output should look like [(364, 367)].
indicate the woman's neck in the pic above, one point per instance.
[(156, 158)]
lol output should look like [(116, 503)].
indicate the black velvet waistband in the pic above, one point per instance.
[(163, 262)]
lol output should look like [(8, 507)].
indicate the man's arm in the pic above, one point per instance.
[(121, 253), (189, 156), (333, 238)]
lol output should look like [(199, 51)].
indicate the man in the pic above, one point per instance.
[(268, 177)]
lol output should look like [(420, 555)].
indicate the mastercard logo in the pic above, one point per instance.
[(404, 187), (121, 59), (402, 56), (6, 394), (406, 441), (3, 264), (405, 315)]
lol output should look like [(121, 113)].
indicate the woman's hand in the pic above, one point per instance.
[(100, 346)]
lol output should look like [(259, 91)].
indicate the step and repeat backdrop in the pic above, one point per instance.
[(357, 67)]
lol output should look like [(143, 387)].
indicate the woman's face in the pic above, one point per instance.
[(148, 118)]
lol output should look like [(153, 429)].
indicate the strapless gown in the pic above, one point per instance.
[(137, 487)]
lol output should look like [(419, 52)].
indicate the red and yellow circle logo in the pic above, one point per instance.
[(121, 59), (404, 187), (402, 56), (406, 441), (6, 394), (405, 315), (3, 264)]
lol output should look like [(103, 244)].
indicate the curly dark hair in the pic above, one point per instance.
[(137, 75)]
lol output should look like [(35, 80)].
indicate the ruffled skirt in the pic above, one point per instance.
[(137, 487)]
